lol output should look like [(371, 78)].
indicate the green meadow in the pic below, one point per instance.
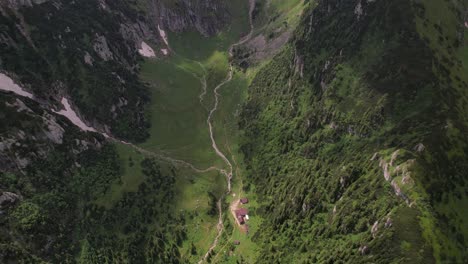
[(182, 87)]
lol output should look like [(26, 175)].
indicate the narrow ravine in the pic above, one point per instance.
[(228, 174)]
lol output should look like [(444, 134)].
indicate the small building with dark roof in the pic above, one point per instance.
[(244, 200), (241, 214), (242, 211)]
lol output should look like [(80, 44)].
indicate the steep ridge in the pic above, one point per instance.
[(352, 140)]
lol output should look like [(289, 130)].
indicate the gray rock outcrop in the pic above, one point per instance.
[(206, 16), (8, 198)]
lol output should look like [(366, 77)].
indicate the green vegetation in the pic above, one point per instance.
[(362, 92), (27, 216), (130, 163), (79, 203), (179, 126), (141, 227), (46, 51), (247, 251), (271, 16), (120, 205), (274, 22), (179, 107), (60, 217), (179, 112), (192, 45), (350, 143)]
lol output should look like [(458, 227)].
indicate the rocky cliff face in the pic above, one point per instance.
[(206, 16), (86, 51), (29, 133), (16, 4)]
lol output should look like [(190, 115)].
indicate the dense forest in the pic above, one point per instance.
[(58, 220), (354, 136), (52, 181)]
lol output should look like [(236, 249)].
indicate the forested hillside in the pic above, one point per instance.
[(57, 219), (53, 203), (355, 136)]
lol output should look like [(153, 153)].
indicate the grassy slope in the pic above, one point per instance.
[(441, 25), (368, 87), (178, 119), (179, 129), (275, 14), (226, 125)]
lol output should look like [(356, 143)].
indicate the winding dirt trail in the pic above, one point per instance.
[(168, 159), (228, 174), (233, 207), (210, 126)]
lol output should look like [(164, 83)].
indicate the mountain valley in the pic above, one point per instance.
[(244, 131)]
